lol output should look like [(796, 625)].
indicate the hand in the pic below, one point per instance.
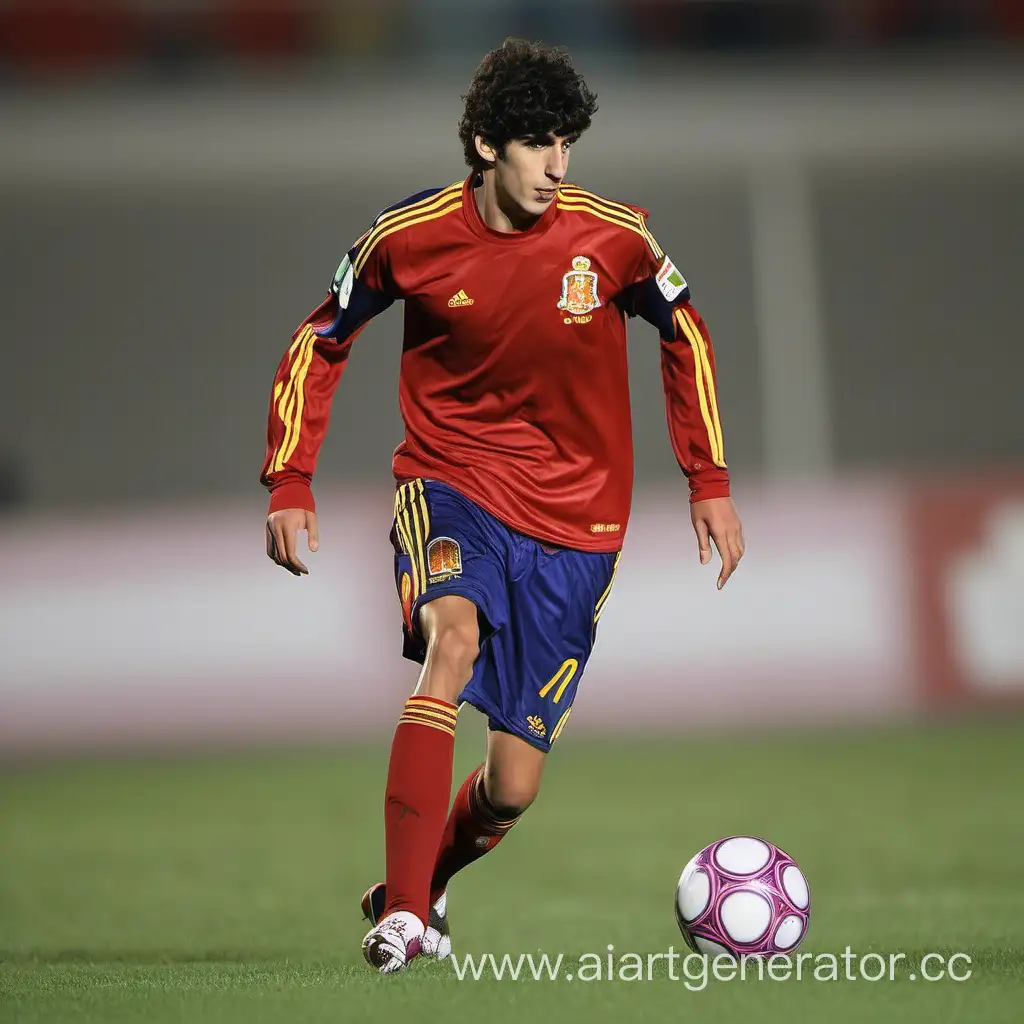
[(716, 519), (282, 537)]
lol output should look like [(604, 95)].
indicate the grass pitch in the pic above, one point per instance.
[(226, 889)]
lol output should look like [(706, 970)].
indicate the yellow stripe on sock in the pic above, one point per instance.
[(437, 716), (427, 724)]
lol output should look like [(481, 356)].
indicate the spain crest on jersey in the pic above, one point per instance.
[(579, 288)]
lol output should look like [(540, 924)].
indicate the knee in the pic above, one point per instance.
[(509, 797)]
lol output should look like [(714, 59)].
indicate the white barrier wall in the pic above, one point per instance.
[(174, 628)]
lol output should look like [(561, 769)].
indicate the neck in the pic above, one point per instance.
[(497, 210)]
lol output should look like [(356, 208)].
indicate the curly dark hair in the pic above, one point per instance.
[(524, 90)]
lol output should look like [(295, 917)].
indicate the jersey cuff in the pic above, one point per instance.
[(292, 494), (709, 485)]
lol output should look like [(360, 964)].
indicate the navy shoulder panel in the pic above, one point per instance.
[(416, 197)]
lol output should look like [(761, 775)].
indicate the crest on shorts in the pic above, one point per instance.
[(579, 288), (444, 559)]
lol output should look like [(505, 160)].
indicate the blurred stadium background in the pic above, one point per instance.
[(841, 184)]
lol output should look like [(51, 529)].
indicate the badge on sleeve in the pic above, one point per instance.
[(671, 283), (342, 283)]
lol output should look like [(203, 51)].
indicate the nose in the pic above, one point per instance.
[(558, 163)]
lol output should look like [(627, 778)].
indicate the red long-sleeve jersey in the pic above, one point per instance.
[(513, 384)]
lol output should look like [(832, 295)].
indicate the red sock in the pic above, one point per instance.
[(419, 784), (472, 830)]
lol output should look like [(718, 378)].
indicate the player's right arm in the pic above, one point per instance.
[(304, 385)]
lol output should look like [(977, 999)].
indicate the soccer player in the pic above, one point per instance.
[(514, 479)]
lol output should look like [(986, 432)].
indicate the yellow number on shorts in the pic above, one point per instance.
[(562, 678)]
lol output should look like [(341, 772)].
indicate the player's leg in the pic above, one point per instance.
[(420, 770), (420, 779), (538, 660), (446, 590), (490, 801)]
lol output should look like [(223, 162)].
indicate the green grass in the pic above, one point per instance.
[(226, 888)]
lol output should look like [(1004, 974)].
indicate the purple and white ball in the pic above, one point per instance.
[(742, 896)]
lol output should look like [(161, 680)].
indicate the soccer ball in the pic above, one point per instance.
[(744, 897)]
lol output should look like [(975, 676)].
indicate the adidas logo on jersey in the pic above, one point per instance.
[(460, 298)]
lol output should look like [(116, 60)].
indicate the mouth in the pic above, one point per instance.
[(545, 195)]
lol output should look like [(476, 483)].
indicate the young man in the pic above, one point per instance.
[(515, 475)]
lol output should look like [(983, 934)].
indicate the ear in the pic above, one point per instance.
[(485, 149)]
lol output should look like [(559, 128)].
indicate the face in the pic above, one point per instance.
[(528, 175)]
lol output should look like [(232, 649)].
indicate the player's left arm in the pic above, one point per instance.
[(661, 296)]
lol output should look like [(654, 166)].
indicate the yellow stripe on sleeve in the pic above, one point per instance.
[(412, 209), (288, 398), (300, 399), (635, 221), (417, 213), (419, 206), (699, 364), (709, 380), (585, 207), (364, 255)]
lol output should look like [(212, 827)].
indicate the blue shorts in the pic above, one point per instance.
[(538, 606)]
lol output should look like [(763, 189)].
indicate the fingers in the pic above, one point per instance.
[(271, 544), (282, 538), (729, 559), (731, 546), (291, 555), (280, 547), (703, 541)]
